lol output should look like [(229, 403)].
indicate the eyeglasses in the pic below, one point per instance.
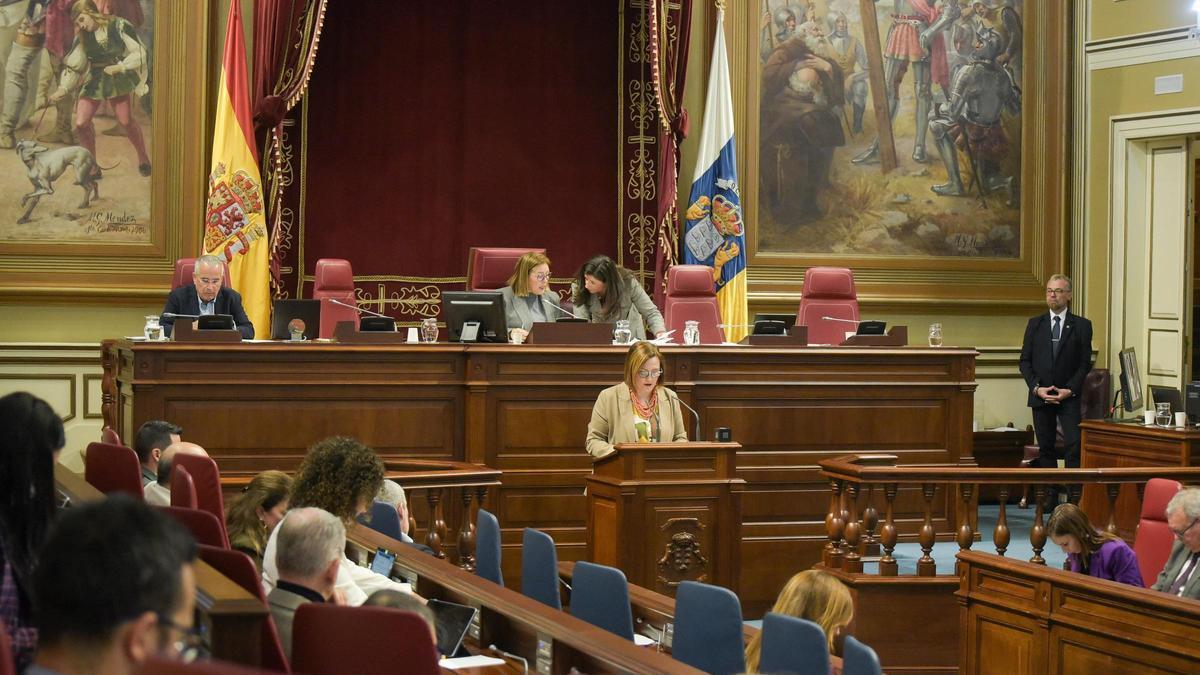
[(190, 644), (542, 277), (1179, 534), (1057, 291), (650, 373)]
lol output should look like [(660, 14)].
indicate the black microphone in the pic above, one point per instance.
[(514, 657), (834, 318), (569, 314), (694, 414), (173, 315), (359, 309)]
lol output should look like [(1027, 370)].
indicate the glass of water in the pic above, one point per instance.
[(1162, 414), (622, 335), (935, 335), (429, 330), (691, 332)]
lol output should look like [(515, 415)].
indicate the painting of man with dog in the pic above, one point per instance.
[(69, 65), (951, 72)]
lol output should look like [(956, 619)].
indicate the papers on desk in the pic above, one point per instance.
[(464, 662), (641, 640)]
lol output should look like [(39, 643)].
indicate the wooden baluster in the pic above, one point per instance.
[(852, 562), (466, 534), (1113, 490), (870, 521), (966, 533), (834, 525), (1037, 536), (887, 534), (437, 522), (926, 567), (1001, 536)]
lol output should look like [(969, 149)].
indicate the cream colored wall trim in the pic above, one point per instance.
[(1167, 45), (65, 375), (1083, 127)]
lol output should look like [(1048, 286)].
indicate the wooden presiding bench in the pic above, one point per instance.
[(1019, 618), (232, 618), (552, 641)]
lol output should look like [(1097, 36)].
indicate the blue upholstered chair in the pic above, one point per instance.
[(539, 568), (384, 520), (708, 628), (793, 645), (487, 547), (859, 659), (600, 596)]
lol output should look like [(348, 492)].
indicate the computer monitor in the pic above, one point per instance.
[(1131, 380), (475, 316), (286, 310)]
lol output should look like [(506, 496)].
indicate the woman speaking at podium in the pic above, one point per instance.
[(640, 409)]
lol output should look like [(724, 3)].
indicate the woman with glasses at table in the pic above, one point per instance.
[(526, 299), (638, 410)]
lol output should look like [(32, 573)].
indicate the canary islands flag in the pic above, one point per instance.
[(235, 225), (714, 234)]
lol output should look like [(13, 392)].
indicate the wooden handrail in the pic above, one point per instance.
[(876, 468), (414, 474)]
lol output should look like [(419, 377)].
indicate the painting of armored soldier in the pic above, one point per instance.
[(950, 74), (75, 121)]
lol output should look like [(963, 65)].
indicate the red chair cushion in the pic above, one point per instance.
[(1154, 539), (489, 268), (828, 291), (691, 297), (207, 480), (185, 269), (331, 640), (240, 569), (334, 279), (113, 468), (203, 525), (183, 488)]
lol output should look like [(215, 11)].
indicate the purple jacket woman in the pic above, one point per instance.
[(1114, 560)]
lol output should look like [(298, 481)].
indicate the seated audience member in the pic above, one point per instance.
[(309, 550), (605, 293), (813, 595), (251, 516), (152, 438), (1099, 554), (206, 295), (1179, 577), (114, 585), (526, 299), (404, 602), (31, 436), (392, 493), (341, 476), (158, 493), (639, 410)]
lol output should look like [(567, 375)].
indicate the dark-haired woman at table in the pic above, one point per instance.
[(603, 292), (638, 410)]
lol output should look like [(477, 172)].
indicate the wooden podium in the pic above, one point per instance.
[(667, 512)]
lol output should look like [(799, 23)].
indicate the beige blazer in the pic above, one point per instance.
[(636, 306), (1179, 556), (613, 417)]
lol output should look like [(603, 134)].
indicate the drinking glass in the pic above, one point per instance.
[(1162, 414), (622, 335), (429, 330), (691, 332), (153, 329), (935, 335)]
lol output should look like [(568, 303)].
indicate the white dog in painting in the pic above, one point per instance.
[(45, 166)]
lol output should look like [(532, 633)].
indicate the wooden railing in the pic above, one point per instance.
[(855, 527)]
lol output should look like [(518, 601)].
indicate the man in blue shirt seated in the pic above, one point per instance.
[(207, 295)]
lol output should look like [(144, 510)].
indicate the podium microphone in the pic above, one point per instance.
[(834, 318), (173, 315), (695, 414), (359, 309), (568, 314)]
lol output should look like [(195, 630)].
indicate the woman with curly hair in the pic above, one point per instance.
[(341, 476), (813, 595), (252, 517)]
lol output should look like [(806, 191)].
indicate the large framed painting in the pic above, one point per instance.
[(923, 143), (102, 144)]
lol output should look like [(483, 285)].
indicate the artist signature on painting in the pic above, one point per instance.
[(108, 221)]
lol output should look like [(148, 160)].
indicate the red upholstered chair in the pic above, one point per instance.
[(113, 468), (489, 268), (828, 291), (1154, 539), (331, 640), (334, 280), (110, 436), (7, 667), (208, 486), (185, 269), (240, 569), (204, 526), (691, 297), (156, 666), (183, 488)]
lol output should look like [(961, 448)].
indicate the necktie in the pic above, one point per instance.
[(1188, 571), (1056, 331)]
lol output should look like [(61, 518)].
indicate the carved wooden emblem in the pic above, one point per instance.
[(682, 560)]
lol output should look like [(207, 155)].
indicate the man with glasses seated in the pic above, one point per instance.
[(640, 409), (1180, 577), (1055, 357), (114, 585), (207, 295)]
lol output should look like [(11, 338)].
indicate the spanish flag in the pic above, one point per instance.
[(235, 226)]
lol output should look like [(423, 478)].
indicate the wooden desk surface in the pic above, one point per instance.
[(525, 409)]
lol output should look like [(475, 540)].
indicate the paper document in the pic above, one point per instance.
[(463, 662)]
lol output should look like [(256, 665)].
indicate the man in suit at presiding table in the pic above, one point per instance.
[(1055, 357), (1180, 576), (207, 295)]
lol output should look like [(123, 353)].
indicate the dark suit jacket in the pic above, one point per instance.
[(183, 300), (1041, 368)]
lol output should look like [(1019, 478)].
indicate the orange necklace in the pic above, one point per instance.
[(644, 411)]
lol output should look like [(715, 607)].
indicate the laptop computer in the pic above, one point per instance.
[(453, 621), (284, 310)]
